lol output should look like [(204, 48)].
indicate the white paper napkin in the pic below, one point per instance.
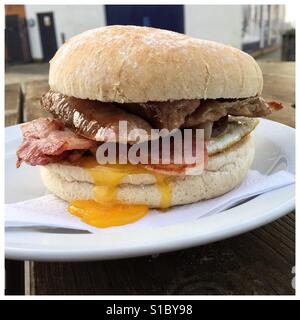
[(51, 212)]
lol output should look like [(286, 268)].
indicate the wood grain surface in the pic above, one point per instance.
[(279, 85), (13, 100), (258, 262), (33, 91)]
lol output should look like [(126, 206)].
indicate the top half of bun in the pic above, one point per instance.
[(140, 64)]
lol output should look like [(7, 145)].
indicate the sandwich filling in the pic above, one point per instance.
[(78, 126)]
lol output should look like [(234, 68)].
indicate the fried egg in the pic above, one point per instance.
[(237, 129)]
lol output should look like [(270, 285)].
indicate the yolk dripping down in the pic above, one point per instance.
[(103, 215), (106, 210)]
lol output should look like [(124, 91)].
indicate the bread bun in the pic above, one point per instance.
[(224, 172), (140, 64)]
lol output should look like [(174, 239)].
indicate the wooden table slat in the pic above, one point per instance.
[(33, 91), (13, 99), (246, 264)]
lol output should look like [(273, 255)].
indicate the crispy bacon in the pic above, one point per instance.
[(41, 128), (180, 169), (275, 105), (47, 140)]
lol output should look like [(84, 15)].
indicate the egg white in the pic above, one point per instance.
[(237, 129)]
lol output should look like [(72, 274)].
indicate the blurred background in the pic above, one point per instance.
[(33, 33)]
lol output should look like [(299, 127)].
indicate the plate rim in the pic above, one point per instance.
[(147, 248)]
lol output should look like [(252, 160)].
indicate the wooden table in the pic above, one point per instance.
[(257, 262)]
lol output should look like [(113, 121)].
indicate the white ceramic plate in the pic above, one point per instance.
[(275, 145)]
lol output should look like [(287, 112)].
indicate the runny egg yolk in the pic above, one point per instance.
[(105, 210), (103, 215)]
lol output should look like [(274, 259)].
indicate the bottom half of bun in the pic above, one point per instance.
[(224, 171)]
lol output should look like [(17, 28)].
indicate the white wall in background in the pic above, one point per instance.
[(222, 23), (68, 19)]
